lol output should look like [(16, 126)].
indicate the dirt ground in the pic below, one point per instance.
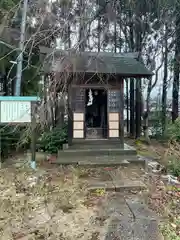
[(163, 198), (156, 150), (46, 205), (53, 202)]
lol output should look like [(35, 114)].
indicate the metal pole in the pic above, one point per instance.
[(21, 49)]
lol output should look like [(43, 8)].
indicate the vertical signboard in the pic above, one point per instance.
[(113, 113), (78, 107)]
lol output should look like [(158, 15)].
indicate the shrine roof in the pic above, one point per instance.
[(125, 64)]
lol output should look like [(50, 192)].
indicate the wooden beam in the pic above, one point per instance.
[(95, 86), (121, 126)]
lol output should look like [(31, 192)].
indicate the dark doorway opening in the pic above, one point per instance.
[(96, 114)]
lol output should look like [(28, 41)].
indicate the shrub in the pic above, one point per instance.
[(52, 141), (156, 129), (173, 130), (10, 138), (174, 167)]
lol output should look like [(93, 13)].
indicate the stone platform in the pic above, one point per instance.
[(98, 153)]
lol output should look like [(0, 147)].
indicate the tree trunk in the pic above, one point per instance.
[(132, 107), (138, 32), (69, 35), (146, 131), (45, 107), (82, 27), (164, 93), (146, 113), (175, 93), (115, 34), (99, 34)]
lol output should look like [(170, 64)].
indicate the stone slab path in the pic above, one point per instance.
[(129, 219)]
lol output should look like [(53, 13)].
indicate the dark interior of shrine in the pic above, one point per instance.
[(96, 108)]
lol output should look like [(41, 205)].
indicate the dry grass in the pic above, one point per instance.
[(53, 203), (98, 173), (45, 205)]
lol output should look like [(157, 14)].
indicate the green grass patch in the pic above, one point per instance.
[(147, 153)]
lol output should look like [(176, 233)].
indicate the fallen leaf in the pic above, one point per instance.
[(173, 225)]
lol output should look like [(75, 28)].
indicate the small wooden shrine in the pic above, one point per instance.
[(95, 86)]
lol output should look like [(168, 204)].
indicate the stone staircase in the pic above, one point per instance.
[(98, 153), (126, 213)]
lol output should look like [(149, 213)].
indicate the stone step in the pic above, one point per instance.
[(100, 144), (101, 161), (95, 142), (95, 146), (96, 152), (117, 186)]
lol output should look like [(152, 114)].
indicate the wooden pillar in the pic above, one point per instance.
[(33, 135), (138, 108), (116, 113), (60, 110), (2, 84), (127, 105), (70, 116), (121, 111), (78, 112), (45, 109), (132, 108)]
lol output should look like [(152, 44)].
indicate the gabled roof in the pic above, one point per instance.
[(125, 64)]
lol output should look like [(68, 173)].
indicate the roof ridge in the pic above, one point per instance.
[(74, 52)]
